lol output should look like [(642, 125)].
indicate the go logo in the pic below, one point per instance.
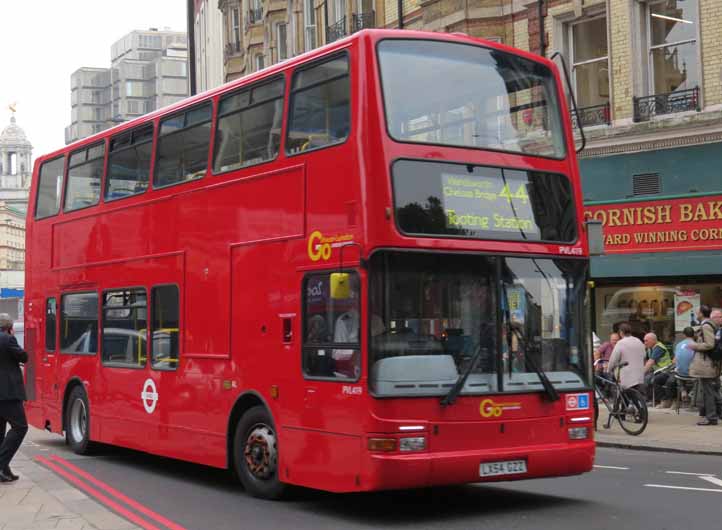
[(318, 247), (489, 409)]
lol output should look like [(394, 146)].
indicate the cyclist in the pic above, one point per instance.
[(630, 353)]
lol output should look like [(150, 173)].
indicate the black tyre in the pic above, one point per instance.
[(255, 451), (633, 415), (77, 422)]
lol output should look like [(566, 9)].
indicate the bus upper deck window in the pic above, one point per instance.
[(249, 126), (129, 163), (85, 169), (183, 144), (320, 112), (49, 188)]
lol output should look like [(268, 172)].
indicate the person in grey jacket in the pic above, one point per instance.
[(629, 351), (704, 368), (12, 395)]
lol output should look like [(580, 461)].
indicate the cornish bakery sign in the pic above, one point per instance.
[(690, 223)]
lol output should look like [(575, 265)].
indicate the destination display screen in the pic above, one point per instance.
[(487, 203), (434, 198)]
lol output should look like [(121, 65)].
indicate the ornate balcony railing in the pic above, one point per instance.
[(336, 30), (590, 116), (657, 104), (362, 21)]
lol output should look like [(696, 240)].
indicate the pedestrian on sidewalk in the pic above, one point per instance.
[(12, 395), (704, 368)]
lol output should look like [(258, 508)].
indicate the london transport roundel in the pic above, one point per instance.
[(149, 396), (571, 402)]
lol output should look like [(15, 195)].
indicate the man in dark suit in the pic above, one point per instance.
[(12, 395)]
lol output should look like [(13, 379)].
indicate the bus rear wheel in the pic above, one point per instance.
[(77, 422), (255, 449)]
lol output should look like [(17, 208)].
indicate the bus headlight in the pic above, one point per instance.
[(418, 443), (578, 433)]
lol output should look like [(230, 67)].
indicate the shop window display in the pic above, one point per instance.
[(664, 309)]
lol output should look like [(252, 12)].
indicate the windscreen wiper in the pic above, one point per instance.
[(461, 381), (551, 392)]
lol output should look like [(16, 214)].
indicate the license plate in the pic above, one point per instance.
[(507, 467)]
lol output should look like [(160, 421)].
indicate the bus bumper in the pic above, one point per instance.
[(396, 471)]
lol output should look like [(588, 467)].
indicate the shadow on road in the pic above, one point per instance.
[(399, 508)]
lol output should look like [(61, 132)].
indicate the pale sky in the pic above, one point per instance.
[(42, 42)]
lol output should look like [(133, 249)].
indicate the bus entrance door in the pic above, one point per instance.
[(47, 385)]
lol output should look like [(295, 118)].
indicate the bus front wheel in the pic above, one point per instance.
[(255, 448), (77, 422)]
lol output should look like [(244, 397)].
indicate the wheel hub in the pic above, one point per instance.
[(260, 452)]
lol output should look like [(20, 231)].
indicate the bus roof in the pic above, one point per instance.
[(305, 57)]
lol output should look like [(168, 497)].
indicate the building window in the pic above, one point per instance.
[(256, 11), (282, 42), (309, 15), (236, 20), (134, 89), (664, 309), (672, 30), (590, 62), (590, 71), (125, 324), (259, 62), (672, 65), (340, 8)]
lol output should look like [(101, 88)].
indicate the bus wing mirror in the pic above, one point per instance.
[(574, 109), (340, 286), (595, 237)]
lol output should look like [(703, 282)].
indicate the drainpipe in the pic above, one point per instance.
[(540, 16), (190, 8), (400, 9), (325, 16)]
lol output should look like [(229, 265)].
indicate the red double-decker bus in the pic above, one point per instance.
[(363, 268)]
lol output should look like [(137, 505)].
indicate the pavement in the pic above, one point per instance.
[(666, 431), (43, 500)]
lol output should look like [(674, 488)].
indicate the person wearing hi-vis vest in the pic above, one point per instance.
[(658, 358)]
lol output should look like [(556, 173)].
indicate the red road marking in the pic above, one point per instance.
[(70, 474), (95, 494)]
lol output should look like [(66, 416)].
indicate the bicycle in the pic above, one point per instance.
[(627, 405)]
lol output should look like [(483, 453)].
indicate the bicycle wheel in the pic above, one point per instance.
[(633, 415)]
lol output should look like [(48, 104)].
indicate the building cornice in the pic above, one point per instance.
[(638, 138)]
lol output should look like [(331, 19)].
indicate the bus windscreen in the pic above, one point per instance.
[(472, 97)]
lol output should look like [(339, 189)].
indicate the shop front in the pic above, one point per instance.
[(663, 258)]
